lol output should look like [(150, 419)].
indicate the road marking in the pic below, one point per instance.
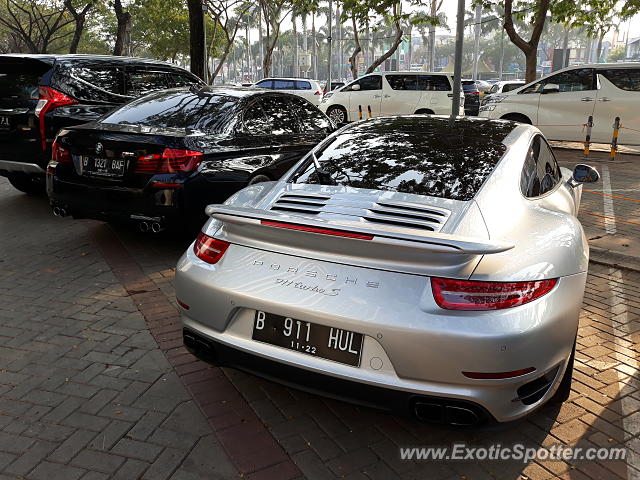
[(621, 330), (610, 216)]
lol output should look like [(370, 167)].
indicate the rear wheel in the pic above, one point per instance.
[(258, 179), (338, 114), (517, 117), (28, 184)]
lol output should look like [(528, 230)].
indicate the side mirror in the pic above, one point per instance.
[(355, 87), (585, 174), (551, 88)]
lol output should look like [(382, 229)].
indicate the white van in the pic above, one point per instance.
[(561, 103), (391, 93), (303, 87)]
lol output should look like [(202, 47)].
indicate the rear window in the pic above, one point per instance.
[(624, 78), (469, 87), (140, 82), (22, 86), (107, 79), (177, 109), (283, 84), (438, 162), (302, 85)]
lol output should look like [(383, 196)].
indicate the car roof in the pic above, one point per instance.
[(287, 78), (233, 91), (496, 130), (70, 58)]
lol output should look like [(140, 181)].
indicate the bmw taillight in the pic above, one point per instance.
[(209, 249), (171, 160), (453, 294), (49, 99), (59, 153)]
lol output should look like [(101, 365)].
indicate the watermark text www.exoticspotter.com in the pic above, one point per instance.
[(517, 452)]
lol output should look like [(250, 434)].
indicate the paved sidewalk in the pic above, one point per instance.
[(610, 210), (85, 392)]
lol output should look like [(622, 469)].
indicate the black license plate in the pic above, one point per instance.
[(103, 167), (331, 343)]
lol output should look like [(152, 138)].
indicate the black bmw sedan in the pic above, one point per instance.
[(159, 160)]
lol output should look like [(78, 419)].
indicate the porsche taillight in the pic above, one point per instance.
[(49, 99), (454, 294), (209, 249), (171, 160)]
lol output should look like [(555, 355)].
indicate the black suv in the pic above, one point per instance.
[(471, 97), (40, 94)]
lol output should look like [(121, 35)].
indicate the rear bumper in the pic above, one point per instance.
[(426, 408), (410, 345), (105, 202), (11, 166)]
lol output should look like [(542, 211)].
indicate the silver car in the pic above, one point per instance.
[(419, 264)]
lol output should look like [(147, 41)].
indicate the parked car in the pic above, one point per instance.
[(40, 94), (159, 160), (502, 86), (561, 103), (303, 87), (383, 271), (471, 97), (391, 93), (334, 85)]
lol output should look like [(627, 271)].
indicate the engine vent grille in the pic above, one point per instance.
[(407, 215), (300, 203)]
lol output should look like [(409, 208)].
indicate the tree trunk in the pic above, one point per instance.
[(196, 37), (353, 64), (432, 37), (77, 34), (79, 19), (124, 19), (599, 48), (529, 48), (394, 46)]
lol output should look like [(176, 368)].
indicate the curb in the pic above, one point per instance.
[(248, 443), (602, 256)]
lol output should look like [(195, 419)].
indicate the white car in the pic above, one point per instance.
[(560, 104), (303, 87), (502, 86), (391, 93)]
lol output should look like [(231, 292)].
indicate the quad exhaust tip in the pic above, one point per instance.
[(153, 227), (458, 415), (60, 211)]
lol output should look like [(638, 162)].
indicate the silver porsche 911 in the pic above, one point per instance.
[(419, 264)]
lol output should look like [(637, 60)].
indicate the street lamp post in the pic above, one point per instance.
[(328, 87)]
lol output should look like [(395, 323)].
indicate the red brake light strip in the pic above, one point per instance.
[(322, 231)]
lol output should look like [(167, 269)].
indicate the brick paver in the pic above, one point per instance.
[(85, 390), (84, 342)]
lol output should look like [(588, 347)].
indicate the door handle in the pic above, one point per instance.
[(604, 99), (377, 96), (387, 96), (586, 99)]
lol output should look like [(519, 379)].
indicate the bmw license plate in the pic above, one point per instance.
[(331, 343), (103, 167)]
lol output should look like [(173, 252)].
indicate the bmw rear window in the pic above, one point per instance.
[(409, 156), (178, 109)]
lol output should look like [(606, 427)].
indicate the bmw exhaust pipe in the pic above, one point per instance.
[(60, 211), (143, 227), (56, 211), (156, 227)]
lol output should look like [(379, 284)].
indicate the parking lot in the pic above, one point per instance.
[(95, 382)]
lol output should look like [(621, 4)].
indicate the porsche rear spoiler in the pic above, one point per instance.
[(391, 236)]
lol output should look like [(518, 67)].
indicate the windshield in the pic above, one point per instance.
[(181, 109), (440, 162)]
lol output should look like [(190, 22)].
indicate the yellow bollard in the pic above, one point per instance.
[(587, 142), (369, 108), (360, 111), (614, 139)]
